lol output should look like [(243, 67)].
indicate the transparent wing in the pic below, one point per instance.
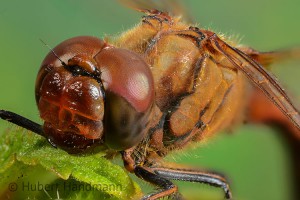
[(267, 58), (260, 77)]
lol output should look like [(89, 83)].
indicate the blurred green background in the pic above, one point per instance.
[(253, 158)]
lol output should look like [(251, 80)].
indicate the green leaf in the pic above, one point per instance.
[(27, 159)]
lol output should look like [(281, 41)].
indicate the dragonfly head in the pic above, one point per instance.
[(90, 93)]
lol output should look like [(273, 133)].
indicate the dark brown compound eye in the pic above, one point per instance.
[(126, 74), (129, 96)]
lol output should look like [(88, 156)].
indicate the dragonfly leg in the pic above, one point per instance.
[(167, 187), (161, 176)]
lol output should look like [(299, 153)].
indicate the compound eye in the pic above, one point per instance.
[(126, 74), (130, 93)]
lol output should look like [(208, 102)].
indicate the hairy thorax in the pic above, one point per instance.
[(195, 96)]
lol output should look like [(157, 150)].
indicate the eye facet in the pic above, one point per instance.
[(130, 94), (125, 73)]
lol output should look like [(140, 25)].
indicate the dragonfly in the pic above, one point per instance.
[(154, 89)]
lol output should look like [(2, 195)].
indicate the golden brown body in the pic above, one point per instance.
[(195, 96), (201, 87), (160, 86)]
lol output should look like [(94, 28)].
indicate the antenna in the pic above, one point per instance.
[(62, 62)]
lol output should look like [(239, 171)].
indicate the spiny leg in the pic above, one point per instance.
[(22, 121), (167, 187), (195, 176), (161, 176)]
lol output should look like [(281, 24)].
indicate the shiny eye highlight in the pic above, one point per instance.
[(130, 95), (126, 74)]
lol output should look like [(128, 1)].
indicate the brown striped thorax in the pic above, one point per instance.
[(194, 96)]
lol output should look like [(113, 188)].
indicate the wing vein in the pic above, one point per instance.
[(255, 72)]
